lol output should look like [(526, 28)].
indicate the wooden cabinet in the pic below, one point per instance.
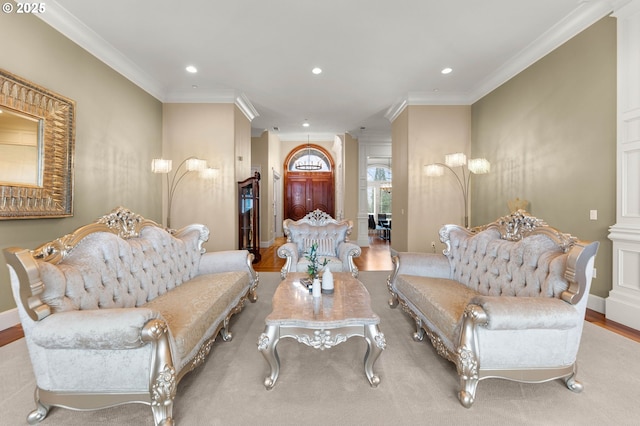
[(249, 215)]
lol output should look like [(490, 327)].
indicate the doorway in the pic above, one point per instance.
[(308, 182)]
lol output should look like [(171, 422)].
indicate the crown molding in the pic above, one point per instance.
[(396, 109), (623, 8), (585, 15), (245, 105), (303, 137), (226, 96), (68, 25)]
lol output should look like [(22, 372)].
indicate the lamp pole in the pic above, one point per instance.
[(475, 166), (464, 187), (190, 164)]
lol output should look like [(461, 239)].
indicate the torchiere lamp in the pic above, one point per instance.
[(476, 166)]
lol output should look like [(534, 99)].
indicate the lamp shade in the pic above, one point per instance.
[(479, 166), (433, 170), (209, 173), (457, 159), (160, 165), (195, 165)]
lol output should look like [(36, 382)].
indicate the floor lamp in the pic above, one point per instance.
[(190, 164), (476, 166)]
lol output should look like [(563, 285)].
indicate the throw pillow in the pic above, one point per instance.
[(326, 246)]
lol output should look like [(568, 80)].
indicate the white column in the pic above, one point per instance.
[(623, 303)]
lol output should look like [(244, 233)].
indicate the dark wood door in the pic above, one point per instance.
[(306, 192)]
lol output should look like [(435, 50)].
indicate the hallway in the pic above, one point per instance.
[(376, 257)]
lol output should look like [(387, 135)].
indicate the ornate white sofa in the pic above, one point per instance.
[(506, 300), (331, 236), (120, 310)]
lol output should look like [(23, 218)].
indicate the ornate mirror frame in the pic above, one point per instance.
[(58, 114)]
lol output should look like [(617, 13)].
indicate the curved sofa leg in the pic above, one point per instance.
[(163, 380), (467, 367), (226, 334), (41, 411), (391, 279), (418, 336), (467, 354), (572, 383), (393, 301)]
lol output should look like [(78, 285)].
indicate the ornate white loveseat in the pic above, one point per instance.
[(120, 310), (331, 237), (506, 300)]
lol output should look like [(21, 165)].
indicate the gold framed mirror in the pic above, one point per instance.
[(37, 137)]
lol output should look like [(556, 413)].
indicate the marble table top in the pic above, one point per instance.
[(293, 304)]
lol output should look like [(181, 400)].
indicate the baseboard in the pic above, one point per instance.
[(267, 244), (597, 303), (9, 319)]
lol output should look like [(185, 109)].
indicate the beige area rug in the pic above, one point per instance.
[(330, 388)]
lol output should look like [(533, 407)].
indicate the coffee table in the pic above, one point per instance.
[(321, 323)]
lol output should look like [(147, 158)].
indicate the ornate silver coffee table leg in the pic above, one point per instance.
[(267, 346), (375, 346)]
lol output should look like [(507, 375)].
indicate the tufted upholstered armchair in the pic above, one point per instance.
[(506, 300), (331, 236)]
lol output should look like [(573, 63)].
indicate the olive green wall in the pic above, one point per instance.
[(550, 135), (118, 132)]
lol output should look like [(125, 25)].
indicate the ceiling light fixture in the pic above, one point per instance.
[(305, 124), (446, 70), (191, 69), (317, 70), (305, 163)]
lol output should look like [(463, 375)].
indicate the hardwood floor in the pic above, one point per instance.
[(374, 258)]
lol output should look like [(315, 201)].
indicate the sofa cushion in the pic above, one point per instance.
[(441, 300), (207, 297)]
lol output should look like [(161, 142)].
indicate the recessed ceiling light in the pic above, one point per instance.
[(446, 70), (305, 124), (192, 69), (316, 70), (194, 86)]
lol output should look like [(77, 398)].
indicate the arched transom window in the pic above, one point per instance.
[(309, 159)]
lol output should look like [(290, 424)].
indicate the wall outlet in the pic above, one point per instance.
[(595, 273), (593, 214), (433, 246)]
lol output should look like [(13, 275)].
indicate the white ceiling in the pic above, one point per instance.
[(376, 55)]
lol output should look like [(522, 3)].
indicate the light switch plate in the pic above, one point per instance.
[(593, 214)]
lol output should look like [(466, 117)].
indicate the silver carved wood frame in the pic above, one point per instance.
[(58, 114)]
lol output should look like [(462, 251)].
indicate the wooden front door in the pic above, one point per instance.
[(307, 191)]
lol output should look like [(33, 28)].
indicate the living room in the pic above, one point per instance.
[(550, 133)]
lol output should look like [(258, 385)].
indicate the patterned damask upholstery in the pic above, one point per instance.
[(504, 300), (121, 309), (330, 236)]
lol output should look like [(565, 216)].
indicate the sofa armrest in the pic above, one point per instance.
[(422, 264), (522, 313), (346, 250), (225, 261), (118, 328)]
